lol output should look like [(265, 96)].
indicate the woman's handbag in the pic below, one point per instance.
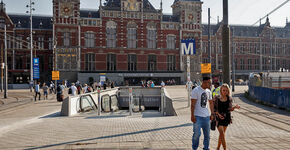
[(213, 123)]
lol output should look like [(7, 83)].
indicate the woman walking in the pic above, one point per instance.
[(223, 108)]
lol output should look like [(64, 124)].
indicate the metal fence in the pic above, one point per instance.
[(278, 97)]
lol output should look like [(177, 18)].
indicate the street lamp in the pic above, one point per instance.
[(3, 25), (31, 43)]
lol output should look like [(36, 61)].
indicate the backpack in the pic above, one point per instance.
[(58, 89), (89, 89), (70, 91)]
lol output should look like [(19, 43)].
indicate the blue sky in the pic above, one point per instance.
[(242, 12)]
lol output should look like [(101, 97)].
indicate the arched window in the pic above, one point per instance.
[(151, 35), (111, 34), (131, 35)]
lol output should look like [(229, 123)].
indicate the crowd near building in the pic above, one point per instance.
[(129, 41)]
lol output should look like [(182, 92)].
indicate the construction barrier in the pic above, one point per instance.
[(278, 97)]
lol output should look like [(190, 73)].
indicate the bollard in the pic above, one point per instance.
[(130, 101), (99, 101), (162, 100)]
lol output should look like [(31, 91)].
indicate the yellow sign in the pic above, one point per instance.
[(205, 68), (55, 75)]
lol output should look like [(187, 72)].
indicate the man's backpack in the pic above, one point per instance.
[(58, 89), (69, 91), (89, 89)]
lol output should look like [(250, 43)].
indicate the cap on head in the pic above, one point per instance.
[(206, 78)]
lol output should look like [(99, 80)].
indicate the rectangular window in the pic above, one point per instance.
[(284, 49), (132, 38), (90, 40), (27, 62), (151, 38), (171, 42), (50, 44), (264, 62), (220, 63), (278, 64), (151, 62), (236, 64), (18, 42), (90, 62), (132, 62), (257, 64), (220, 48), (9, 42), (284, 64), (111, 62), (111, 37), (242, 64), (249, 64), (40, 43), (171, 63), (50, 62), (66, 39)]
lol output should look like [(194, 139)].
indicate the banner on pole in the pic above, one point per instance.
[(188, 47), (205, 68), (35, 68), (55, 75)]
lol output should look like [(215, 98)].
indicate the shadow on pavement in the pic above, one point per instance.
[(53, 115), (106, 117), (112, 136)]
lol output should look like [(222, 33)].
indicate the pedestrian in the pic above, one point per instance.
[(200, 115), (152, 85), (162, 84), (37, 91), (105, 86), (216, 90), (223, 107), (73, 89), (51, 87), (79, 88), (59, 92), (45, 91), (85, 89), (112, 85)]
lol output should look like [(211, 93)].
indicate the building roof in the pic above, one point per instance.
[(248, 31), (170, 18), (23, 21), (186, 1), (86, 13), (116, 5)]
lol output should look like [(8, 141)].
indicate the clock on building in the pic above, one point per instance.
[(66, 9), (131, 5)]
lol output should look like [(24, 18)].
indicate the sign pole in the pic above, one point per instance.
[(188, 47), (188, 80)]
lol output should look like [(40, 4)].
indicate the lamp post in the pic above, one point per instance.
[(4, 65), (31, 43), (225, 43)]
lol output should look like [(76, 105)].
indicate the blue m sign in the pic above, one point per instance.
[(188, 47)]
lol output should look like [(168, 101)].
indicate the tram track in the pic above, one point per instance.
[(263, 117)]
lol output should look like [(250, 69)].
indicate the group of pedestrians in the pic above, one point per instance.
[(37, 90), (77, 88), (220, 103)]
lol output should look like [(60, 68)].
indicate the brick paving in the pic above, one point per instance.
[(39, 126)]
